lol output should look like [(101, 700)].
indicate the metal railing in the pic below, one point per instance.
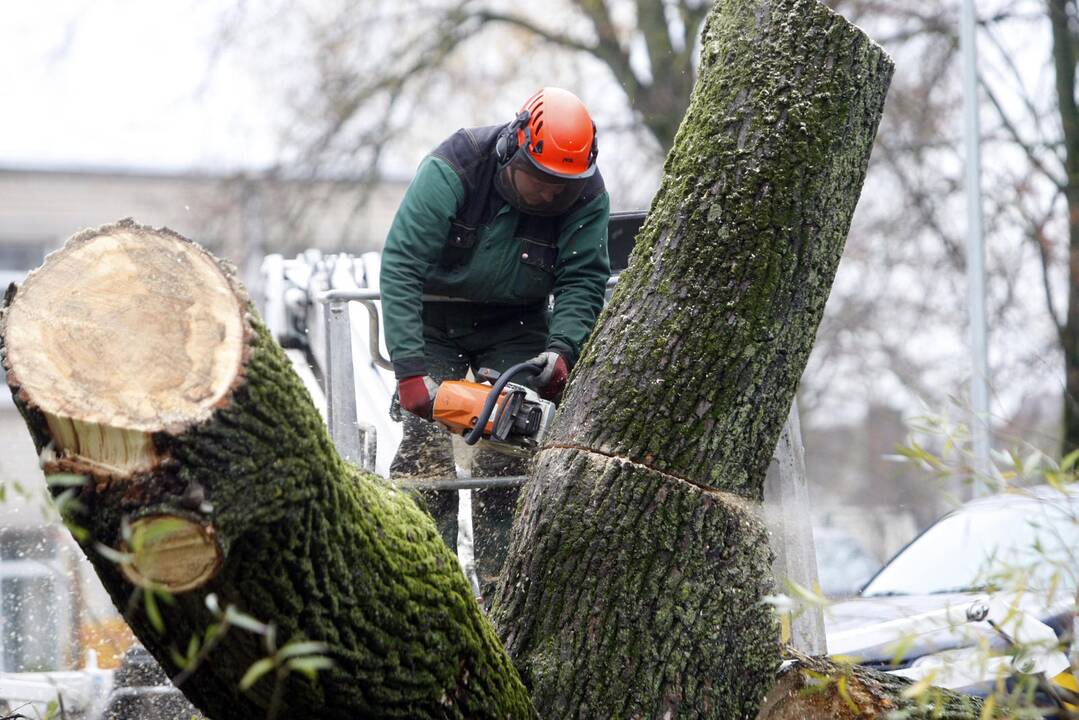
[(356, 441), (337, 302)]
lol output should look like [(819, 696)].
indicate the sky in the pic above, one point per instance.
[(121, 83)]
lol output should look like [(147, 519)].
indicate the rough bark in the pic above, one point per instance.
[(634, 586), (818, 688), (303, 540)]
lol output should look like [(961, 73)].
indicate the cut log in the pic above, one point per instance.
[(635, 584), (139, 364), (97, 338)]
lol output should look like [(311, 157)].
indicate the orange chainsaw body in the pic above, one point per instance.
[(458, 404)]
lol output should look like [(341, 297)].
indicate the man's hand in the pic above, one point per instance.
[(417, 395), (551, 380)]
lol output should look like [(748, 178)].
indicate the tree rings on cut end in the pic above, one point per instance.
[(171, 553), (124, 332)]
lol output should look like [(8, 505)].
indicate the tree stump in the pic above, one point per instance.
[(812, 688), (639, 563)]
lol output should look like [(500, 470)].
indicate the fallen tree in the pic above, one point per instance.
[(140, 366), (639, 564)]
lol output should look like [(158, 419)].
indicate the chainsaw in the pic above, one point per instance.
[(508, 417)]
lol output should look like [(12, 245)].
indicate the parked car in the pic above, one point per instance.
[(1000, 572), (843, 563)]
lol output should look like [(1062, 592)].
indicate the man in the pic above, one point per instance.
[(496, 220)]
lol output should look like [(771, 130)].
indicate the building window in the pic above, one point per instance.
[(34, 601), (31, 627)]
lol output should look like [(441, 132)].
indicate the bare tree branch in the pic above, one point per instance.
[(1041, 242), (1017, 138), (652, 24), (525, 24), (608, 48)]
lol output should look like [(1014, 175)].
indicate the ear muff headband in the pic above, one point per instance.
[(506, 145)]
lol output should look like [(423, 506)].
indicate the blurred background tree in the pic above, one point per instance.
[(357, 93)]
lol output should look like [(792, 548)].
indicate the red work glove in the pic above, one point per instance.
[(417, 395), (551, 380)]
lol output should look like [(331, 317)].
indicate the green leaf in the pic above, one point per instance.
[(193, 646), (295, 649), (181, 661), (310, 666), (113, 555), (144, 535), (1069, 460), (212, 631), (902, 647), (804, 596), (246, 622), (153, 614), (257, 670), (66, 502), (66, 480)]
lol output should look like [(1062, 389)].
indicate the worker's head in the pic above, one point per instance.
[(547, 154)]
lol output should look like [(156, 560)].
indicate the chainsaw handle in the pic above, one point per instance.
[(476, 433)]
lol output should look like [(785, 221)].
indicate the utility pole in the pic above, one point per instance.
[(979, 390)]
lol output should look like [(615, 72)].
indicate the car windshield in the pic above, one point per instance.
[(1031, 542)]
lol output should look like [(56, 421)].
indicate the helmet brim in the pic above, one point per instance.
[(536, 190)]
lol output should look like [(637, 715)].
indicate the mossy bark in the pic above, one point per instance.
[(639, 564), (308, 543)]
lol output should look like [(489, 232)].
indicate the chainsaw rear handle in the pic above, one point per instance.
[(528, 368)]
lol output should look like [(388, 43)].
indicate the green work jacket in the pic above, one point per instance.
[(494, 272)]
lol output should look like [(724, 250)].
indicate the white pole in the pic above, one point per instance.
[(979, 391)]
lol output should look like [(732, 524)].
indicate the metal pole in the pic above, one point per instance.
[(341, 385), (979, 390)]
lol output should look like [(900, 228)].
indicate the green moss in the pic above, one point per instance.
[(649, 601), (732, 268), (325, 553)]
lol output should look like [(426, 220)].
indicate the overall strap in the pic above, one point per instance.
[(470, 152)]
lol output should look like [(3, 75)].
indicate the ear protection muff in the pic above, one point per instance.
[(593, 152), (506, 145)]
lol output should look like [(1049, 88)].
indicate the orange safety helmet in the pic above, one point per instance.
[(547, 153)]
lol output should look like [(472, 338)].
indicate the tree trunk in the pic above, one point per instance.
[(139, 365), (639, 562), (1064, 66)]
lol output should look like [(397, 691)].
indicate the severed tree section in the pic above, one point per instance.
[(138, 364), (639, 565)]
